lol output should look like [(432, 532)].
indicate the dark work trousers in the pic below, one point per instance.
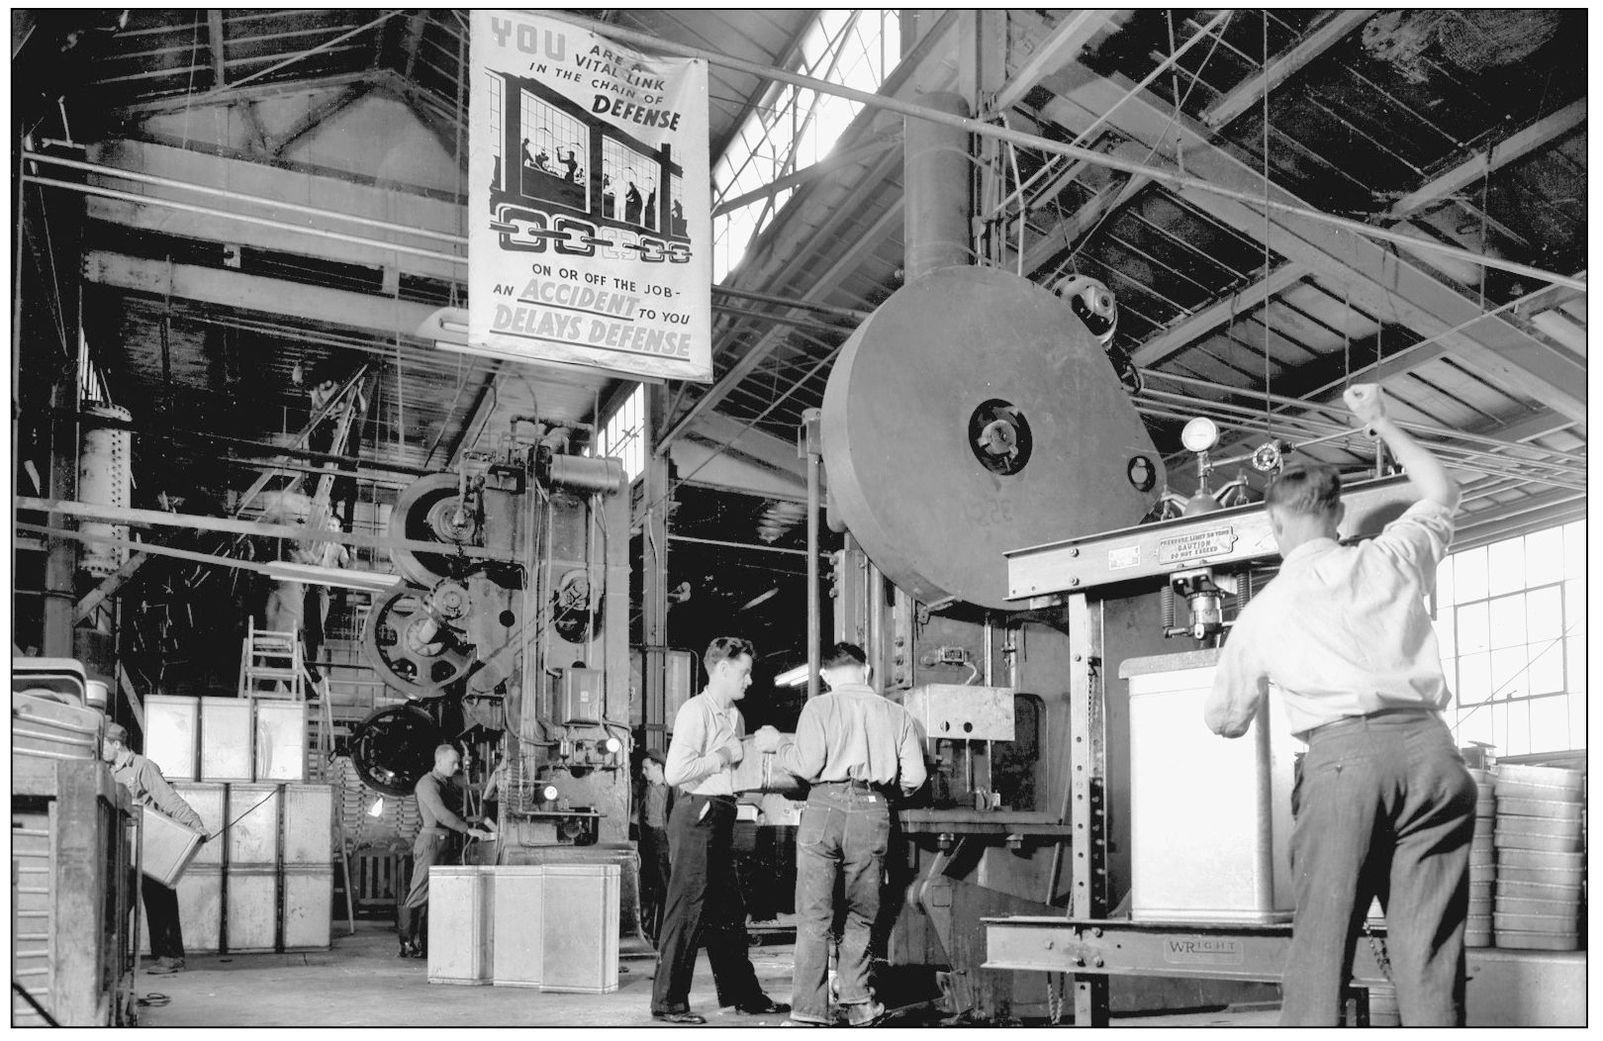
[(1384, 808), (428, 849), (703, 908), (845, 831), (654, 874), (161, 913)]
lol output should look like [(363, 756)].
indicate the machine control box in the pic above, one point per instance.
[(961, 712), (580, 699)]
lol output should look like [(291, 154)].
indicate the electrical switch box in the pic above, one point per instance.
[(581, 699)]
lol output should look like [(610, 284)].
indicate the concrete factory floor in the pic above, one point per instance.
[(360, 982)]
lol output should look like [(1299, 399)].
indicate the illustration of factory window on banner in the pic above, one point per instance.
[(584, 247)]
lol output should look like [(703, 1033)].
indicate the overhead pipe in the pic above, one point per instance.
[(975, 126), (138, 176), (936, 190)]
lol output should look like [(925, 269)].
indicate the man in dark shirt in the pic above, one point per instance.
[(656, 804), (429, 847), (150, 789)]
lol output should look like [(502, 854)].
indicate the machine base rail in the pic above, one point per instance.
[(1197, 950)]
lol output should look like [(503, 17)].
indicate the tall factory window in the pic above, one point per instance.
[(630, 180), (1511, 619), (793, 127), (623, 434)]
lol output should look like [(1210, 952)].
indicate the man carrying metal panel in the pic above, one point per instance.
[(1383, 804), (428, 848), (703, 905), (859, 751), (148, 787)]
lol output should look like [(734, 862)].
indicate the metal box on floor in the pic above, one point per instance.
[(1210, 817), (252, 909), (280, 740), (580, 922), (225, 739), (210, 800), (172, 730), (519, 925), (253, 812), (166, 847), (200, 911), (308, 907), (308, 824), (461, 919)]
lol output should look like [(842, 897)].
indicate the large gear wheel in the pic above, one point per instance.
[(427, 511), (414, 645)]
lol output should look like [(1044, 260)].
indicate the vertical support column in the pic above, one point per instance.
[(653, 524), (982, 70), (809, 450), (61, 555), (1087, 814)]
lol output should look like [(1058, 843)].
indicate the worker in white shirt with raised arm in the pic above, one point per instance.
[(1383, 805)]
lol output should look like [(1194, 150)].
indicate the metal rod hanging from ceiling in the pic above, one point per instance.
[(807, 305), (984, 129)]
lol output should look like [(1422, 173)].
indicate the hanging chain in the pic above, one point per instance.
[(1054, 1003)]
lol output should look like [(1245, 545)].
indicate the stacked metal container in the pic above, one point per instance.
[(1482, 862), (267, 882), (1539, 859)]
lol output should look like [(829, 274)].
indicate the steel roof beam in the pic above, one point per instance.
[(1516, 146), (1250, 91), (214, 38), (1068, 38), (414, 39), (1383, 283)]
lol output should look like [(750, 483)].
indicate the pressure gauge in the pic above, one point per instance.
[(1200, 434)]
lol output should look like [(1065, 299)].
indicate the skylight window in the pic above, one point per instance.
[(794, 127)]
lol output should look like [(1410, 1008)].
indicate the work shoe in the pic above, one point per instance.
[(165, 966), (683, 1018), (864, 1015), (762, 1006), (410, 950)]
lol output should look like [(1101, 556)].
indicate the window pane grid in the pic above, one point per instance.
[(1510, 619)]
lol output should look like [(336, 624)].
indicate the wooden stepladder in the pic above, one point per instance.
[(271, 666)]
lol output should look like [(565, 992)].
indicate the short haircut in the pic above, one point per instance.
[(656, 756), (726, 648), (841, 654), (1310, 489), (441, 749), (116, 732)]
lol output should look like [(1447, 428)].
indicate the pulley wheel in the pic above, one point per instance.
[(970, 415), (412, 646), (394, 747), (425, 511)]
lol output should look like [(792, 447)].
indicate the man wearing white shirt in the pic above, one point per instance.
[(1383, 805), (703, 903)]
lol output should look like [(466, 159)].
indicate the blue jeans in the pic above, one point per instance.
[(842, 840), (1384, 808)]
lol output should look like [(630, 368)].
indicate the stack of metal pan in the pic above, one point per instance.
[(1539, 860), (1482, 862)]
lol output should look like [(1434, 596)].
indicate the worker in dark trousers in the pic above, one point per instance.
[(860, 751), (430, 846), (656, 807), (149, 788), (704, 906), (1382, 804)]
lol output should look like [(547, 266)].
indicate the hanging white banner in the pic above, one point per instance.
[(590, 237)]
